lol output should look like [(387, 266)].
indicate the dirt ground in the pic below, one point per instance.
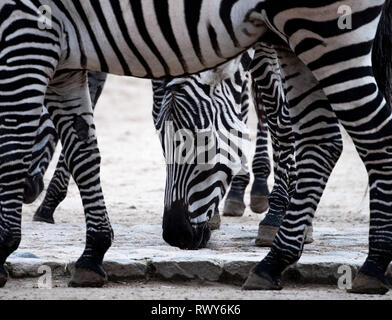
[(27, 289), (133, 170)]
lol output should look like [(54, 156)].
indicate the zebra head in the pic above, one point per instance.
[(199, 121)]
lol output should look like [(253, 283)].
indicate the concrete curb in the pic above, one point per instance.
[(229, 272)]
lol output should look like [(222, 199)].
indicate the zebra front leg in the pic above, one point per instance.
[(56, 193), (261, 168), (234, 204), (270, 100), (20, 109), (68, 102)]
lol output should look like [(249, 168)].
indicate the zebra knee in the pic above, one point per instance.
[(82, 128)]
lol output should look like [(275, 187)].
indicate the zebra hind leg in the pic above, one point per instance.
[(57, 190), (56, 193), (68, 102), (43, 150), (354, 96), (317, 150), (18, 127)]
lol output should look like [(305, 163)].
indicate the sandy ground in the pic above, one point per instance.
[(27, 289), (133, 170)]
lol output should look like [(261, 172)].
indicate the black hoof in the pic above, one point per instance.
[(44, 214), (262, 281), (266, 236), (259, 203), (233, 208), (365, 284), (259, 196), (3, 276), (82, 278), (33, 188), (215, 221)]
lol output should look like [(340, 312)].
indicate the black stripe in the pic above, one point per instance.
[(141, 25), (104, 24), (83, 16), (192, 18), (164, 21), (124, 30), (225, 14)]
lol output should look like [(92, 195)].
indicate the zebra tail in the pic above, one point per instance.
[(382, 52)]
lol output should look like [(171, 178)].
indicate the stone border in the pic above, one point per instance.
[(229, 272)]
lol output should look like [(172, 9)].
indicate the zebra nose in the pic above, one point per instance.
[(178, 231)]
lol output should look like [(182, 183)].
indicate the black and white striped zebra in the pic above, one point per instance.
[(46, 140), (187, 111), (334, 69), (238, 89), (47, 80), (332, 54)]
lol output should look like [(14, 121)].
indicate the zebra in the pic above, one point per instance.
[(333, 86), (189, 110), (234, 204), (326, 52), (47, 140)]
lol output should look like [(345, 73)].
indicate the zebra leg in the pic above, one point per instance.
[(270, 101), (68, 102), (56, 193), (17, 131), (261, 169), (57, 190), (318, 148), (353, 94), (43, 150), (23, 85), (20, 108), (234, 204)]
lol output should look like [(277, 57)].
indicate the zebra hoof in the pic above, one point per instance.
[(259, 203), (262, 281), (44, 214), (3, 276), (266, 235), (234, 208), (309, 235), (83, 278), (364, 284), (215, 221), (33, 187)]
